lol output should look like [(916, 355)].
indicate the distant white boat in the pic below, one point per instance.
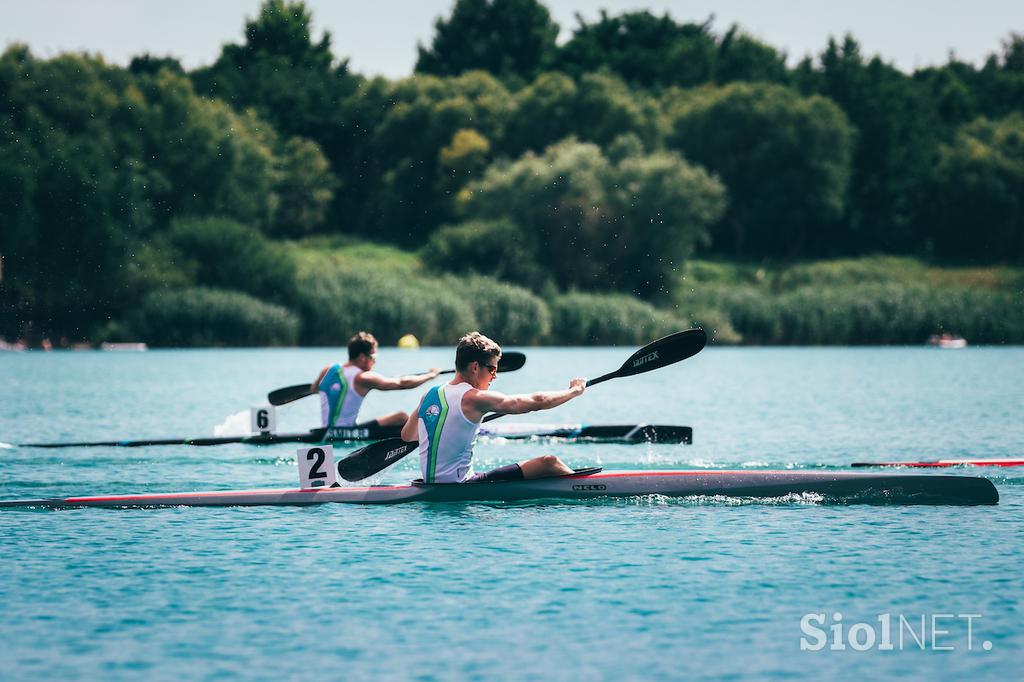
[(947, 341), (136, 347)]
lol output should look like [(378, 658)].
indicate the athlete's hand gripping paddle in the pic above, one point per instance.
[(376, 457)]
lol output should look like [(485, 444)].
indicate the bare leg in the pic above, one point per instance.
[(544, 466), (393, 419)]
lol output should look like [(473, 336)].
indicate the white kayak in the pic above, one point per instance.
[(869, 488)]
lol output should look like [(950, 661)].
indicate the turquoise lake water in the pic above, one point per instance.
[(637, 588)]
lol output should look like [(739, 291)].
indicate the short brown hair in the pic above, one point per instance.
[(475, 347), (363, 342)]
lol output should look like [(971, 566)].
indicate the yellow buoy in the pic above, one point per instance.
[(409, 342)]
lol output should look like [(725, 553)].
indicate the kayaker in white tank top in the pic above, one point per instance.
[(448, 418), (444, 430), (343, 387), (339, 402)]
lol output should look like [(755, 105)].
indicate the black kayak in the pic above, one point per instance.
[(583, 433), (588, 484)]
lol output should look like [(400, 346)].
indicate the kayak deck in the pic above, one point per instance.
[(873, 488)]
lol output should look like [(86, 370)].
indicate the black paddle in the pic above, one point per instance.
[(509, 362), (376, 457), (289, 394)]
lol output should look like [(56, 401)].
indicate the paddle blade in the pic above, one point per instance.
[(511, 361), (661, 353), (289, 394), (374, 458)]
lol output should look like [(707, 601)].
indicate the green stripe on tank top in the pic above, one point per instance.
[(341, 398), (435, 438)]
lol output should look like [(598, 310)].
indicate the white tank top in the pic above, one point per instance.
[(339, 402), (446, 436)]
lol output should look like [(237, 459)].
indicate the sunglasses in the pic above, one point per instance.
[(493, 370)]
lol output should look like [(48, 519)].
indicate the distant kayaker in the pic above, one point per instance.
[(343, 387), (448, 418)]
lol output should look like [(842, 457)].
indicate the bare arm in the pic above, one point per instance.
[(491, 401), (315, 386), (370, 380), (411, 429)]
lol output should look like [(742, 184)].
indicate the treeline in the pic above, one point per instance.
[(871, 300), (242, 289), (310, 292), (599, 166)]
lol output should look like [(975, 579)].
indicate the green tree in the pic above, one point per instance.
[(357, 162), (297, 85), (98, 161), (598, 107), (462, 160), (199, 156), (304, 188), (543, 113), (68, 201), (950, 92), (897, 137), (978, 193), (151, 64), (292, 81), (999, 85), (784, 158), (413, 144), (662, 208), (606, 108), (598, 225), (19, 248), (508, 38), (744, 58), (221, 162), (644, 49)]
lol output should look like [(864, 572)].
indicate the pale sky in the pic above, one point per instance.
[(379, 37)]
